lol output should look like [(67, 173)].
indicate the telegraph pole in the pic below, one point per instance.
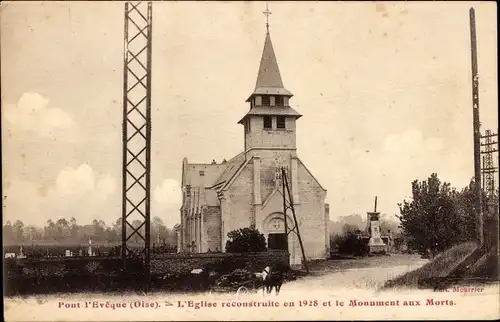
[(476, 129)]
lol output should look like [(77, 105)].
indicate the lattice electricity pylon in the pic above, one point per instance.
[(288, 205), (137, 133), (489, 169)]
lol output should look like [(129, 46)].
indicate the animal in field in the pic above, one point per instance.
[(272, 278)]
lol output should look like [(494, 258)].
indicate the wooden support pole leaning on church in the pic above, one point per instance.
[(284, 212), (296, 228)]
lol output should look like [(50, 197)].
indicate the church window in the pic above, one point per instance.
[(272, 101), (268, 122), (258, 100), (279, 101), (266, 101), (285, 101), (188, 191), (281, 122), (247, 126), (202, 173)]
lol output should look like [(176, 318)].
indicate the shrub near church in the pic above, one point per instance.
[(245, 240)]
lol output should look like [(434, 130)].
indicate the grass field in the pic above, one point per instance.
[(440, 266)]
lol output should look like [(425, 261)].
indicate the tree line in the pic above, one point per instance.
[(66, 231), (436, 218), (439, 216)]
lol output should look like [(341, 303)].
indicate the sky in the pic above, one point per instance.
[(384, 90)]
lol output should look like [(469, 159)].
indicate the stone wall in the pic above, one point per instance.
[(237, 204), (311, 212), (260, 137), (212, 229)]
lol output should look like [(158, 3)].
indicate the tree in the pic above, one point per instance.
[(33, 233), (63, 229), (50, 230), (117, 226), (158, 230), (9, 235), (245, 240), (19, 231), (136, 238), (431, 221), (466, 210), (99, 228), (73, 227)]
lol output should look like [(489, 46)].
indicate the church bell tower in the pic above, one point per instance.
[(270, 121)]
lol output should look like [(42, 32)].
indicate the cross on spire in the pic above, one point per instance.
[(267, 13)]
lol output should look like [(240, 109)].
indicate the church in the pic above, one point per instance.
[(246, 191)]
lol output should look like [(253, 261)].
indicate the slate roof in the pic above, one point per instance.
[(193, 177), (232, 167), (214, 177), (261, 110), (269, 77)]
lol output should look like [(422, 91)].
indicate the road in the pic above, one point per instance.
[(367, 273), (313, 297)]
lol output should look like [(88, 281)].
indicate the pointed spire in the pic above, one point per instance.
[(269, 72), (269, 78)]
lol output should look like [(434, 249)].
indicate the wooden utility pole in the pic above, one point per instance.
[(288, 204), (476, 129)]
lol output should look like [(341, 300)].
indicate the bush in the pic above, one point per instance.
[(349, 243), (245, 240)]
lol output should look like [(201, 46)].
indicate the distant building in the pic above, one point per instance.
[(246, 190)]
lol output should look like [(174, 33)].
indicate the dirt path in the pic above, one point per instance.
[(366, 273)]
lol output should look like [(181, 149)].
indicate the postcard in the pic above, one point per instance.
[(249, 160)]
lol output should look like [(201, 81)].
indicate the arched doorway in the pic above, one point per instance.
[(274, 227)]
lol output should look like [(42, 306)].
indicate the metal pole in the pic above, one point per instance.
[(124, 139), (476, 128), (148, 148), (484, 174)]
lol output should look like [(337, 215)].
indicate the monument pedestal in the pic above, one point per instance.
[(375, 244)]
